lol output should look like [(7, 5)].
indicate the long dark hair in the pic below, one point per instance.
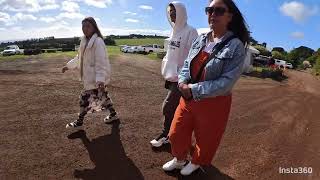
[(238, 24), (94, 24)]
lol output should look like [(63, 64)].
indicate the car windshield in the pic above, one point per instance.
[(9, 47)]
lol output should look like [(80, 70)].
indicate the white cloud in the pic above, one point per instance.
[(203, 30), (132, 20), (23, 17), (129, 13), (57, 30), (4, 17), (145, 7), (126, 31), (11, 20), (2, 29), (70, 6), (98, 3), (28, 5), (298, 11), (70, 15), (297, 35), (48, 19), (62, 29), (16, 28)]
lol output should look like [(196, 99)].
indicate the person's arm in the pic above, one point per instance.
[(184, 74), (72, 64), (192, 37), (230, 74), (101, 62)]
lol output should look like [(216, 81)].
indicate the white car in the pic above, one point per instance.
[(133, 49), (280, 63), (152, 48), (289, 65), (11, 50), (123, 47)]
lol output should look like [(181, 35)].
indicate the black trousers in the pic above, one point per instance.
[(170, 105)]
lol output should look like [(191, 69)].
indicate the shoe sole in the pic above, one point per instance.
[(154, 145), (190, 173), (179, 168), (70, 127), (110, 121)]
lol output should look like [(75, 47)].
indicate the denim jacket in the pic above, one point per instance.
[(221, 72)]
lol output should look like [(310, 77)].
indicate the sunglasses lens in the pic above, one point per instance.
[(208, 10), (218, 11)]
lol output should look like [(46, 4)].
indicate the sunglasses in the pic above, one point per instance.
[(218, 11)]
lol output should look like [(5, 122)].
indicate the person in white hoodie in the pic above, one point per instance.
[(179, 43), (94, 66)]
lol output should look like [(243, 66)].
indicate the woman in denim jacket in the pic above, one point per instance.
[(205, 106)]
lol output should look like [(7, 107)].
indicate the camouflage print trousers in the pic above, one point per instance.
[(95, 100)]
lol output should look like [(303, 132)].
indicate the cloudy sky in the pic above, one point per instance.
[(283, 23)]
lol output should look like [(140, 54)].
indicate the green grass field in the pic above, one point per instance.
[(112, 52), (135, 42)]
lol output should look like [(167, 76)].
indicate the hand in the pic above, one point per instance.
[(185, 90), (100, 84), (64, 69)]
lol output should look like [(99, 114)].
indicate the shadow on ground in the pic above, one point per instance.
[(109, 157)]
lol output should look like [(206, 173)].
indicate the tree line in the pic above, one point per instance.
[(296, 56)]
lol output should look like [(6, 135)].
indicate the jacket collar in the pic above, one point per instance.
[(91, 41), (224, 37)]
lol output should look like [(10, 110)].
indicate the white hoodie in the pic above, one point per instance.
[(96, 66), (179, 43)]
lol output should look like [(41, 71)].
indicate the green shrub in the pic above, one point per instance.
[(67, 49), (32, 51), (51, 50), (317, 67), (161, 55)]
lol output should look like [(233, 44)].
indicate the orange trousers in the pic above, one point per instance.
[(207, 118)]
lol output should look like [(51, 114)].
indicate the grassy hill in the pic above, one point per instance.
[(144, 41)]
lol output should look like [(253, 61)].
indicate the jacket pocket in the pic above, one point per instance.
[(215, 67)]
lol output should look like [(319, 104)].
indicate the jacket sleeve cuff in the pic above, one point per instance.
[(194, 90), (182, 80), (100, 79), (72, 64)]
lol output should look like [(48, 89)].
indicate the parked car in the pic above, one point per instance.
[(152, 48), (280, 63), (133, 49), (289, 65), (123, 47), (11, 50)]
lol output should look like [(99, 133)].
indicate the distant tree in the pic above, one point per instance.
[(278, 55), (109, 41), (252, 41), (279, 49), (263, 51), (313, 59), (317, 66), (298, 55)]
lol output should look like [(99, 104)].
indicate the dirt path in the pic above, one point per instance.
[(272, 125)]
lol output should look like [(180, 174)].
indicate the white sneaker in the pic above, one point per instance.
[(173, 164), (110, 119), (159, 141), (189, 169), (74, 125)]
